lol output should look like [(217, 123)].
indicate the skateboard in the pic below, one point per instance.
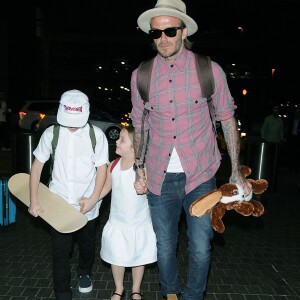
[(58, 213)]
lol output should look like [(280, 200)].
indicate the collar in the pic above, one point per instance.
[(179, 63), (79, 132)]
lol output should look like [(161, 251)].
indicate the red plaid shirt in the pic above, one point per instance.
[(179, 117)]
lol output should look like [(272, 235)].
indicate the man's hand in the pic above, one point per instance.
[(241, 180), (140, 183)]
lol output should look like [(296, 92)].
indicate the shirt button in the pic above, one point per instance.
[(170, 80), (172, 66), (151, 107), (165, 171), (171, 101), (196, 101), (173, 119), (174, 137)]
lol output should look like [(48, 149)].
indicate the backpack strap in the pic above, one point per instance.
[(92, 136), (56, 128), (143, 85), (56, 135), (114, 163), (144, 78), (54, 142), (206, 80), (207, 83)]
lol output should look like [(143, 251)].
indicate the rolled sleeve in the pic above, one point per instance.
[(101, 149), (137, 104), (44, 147), (222, 100)]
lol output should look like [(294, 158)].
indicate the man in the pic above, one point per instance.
[(272, 128), (4, 128), (294, 142), (78, 176), (182, 153)]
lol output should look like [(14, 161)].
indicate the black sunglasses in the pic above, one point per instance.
[(170, 32)]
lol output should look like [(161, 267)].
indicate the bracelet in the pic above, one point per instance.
[(136, 167)]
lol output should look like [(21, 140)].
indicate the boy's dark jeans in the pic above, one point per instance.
[(67, 295), (62, 246)]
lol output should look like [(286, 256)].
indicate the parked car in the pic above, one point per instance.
[(110, 126), (32, 111)]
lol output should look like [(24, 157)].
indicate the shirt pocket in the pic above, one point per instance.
[(159, 102), (85, 166), (190, 107)]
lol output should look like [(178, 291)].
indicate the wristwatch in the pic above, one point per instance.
[(135, 167)]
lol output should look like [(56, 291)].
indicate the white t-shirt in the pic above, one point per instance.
[(174, 163), (74, 169)]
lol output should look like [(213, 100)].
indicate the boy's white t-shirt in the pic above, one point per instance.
[(74, 169)]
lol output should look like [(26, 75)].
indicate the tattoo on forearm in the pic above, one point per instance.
[(232, 140), (136, 140), (136, 144), (145, 142)]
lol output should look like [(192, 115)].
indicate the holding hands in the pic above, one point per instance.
[(140, 183)]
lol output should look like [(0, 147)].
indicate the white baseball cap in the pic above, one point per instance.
[(74, 109)]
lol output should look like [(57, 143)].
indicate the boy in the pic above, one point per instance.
[(78, 175)]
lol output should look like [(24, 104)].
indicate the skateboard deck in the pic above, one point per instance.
[(57, 212)]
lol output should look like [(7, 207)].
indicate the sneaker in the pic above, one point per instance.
[(85, 284)]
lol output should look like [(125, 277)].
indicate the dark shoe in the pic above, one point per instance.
[(121, 296), (85, 284), (132, 296)]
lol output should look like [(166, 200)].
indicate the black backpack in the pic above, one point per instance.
[(206, 80)]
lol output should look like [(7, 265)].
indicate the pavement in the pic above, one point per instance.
[(255, 258)]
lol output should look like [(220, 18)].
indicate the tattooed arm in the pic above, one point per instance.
[(140, 146), (232, 139), (141, 175)]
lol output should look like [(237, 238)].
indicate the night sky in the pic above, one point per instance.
[(121, 16), (271, 30), (274, 23)]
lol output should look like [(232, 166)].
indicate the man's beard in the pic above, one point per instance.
[(168, 54)]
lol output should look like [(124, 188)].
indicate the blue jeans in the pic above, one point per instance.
[(165, 213)]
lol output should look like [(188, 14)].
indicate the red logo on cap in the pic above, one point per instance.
[(69, 108)]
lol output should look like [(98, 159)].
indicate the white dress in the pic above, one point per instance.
[(128, 238)]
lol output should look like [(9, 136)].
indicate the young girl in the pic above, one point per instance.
[(128, 239)]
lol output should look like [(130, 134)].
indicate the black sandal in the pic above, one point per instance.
[(136, 294), (121, 296)]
